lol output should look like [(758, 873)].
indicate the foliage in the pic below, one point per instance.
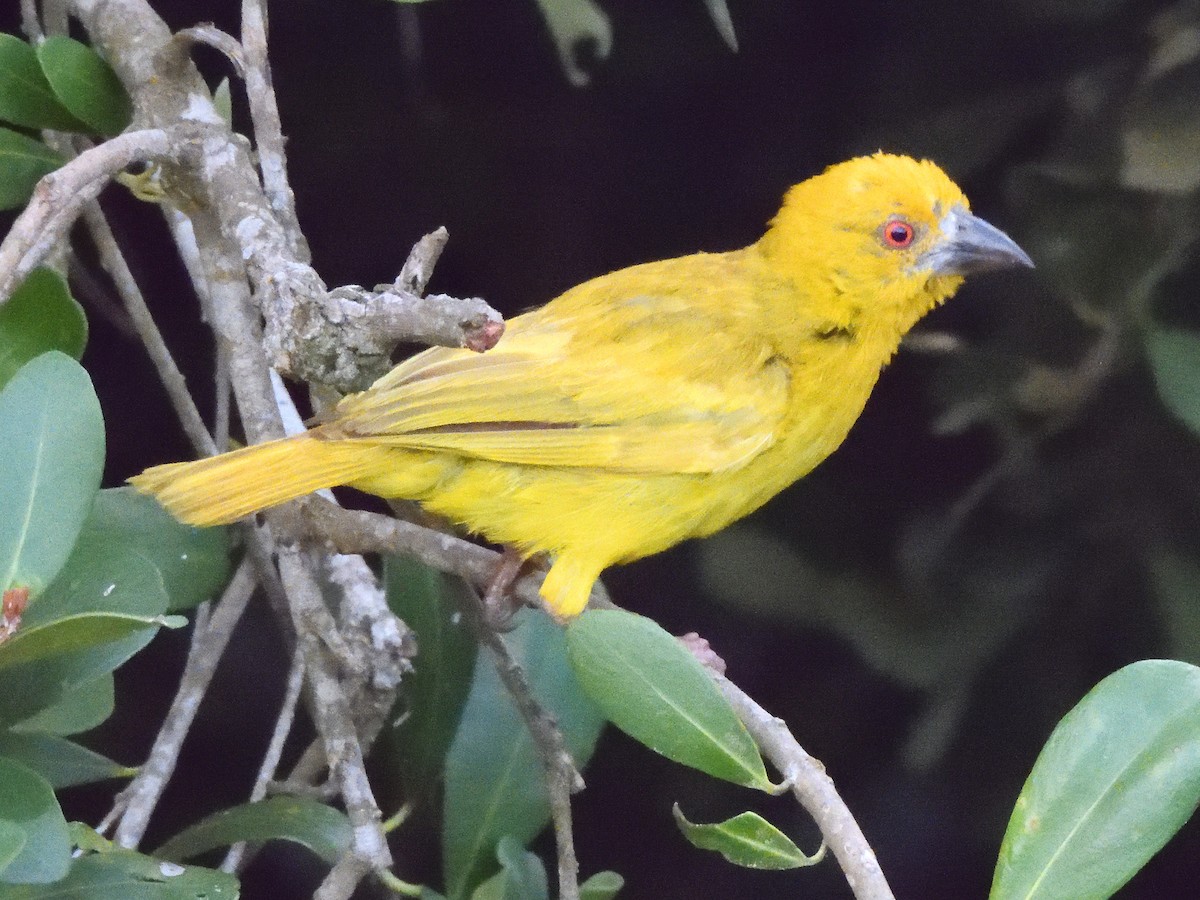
[(88, 603), (971, 563), (1118, 777), (62, 85)]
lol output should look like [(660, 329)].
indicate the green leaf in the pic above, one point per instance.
[(40, 315), (494, 784), (82, 709), (194, 562), (655, 691), (59, 648), (601, 886), (84, 837), (1175, 359), (61, 762), (126, 875), (26, 98), (50, 469), (27, 802), (85, 84), (322, 829), (22, 162), (1119, 776), (436, 691), (521, 877), (747, 840), (41, 664), (100, 576)]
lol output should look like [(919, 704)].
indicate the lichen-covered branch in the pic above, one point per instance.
[(60, 197)]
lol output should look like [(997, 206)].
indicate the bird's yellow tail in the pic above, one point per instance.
[(222, 489)]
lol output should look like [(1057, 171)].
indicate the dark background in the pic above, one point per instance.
[(1007, 524)]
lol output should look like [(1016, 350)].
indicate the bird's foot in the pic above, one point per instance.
[(499, 605)]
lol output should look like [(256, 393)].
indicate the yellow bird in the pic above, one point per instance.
[(647, 406)]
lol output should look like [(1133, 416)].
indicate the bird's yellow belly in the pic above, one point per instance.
[(610, 517)]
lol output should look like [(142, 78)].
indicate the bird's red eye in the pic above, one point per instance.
[(898, 234)]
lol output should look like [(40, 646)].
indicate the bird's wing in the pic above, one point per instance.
[(647, 386)]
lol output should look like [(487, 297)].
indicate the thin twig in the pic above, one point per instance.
[(813, 787), (156, 348), (221, 41), (54, 14), (189, 253), (343, 878), (30, 23), (355, 531), (335, 723), (208, 644), (270, 764), (418, 268), (561, 776), (268, 131)]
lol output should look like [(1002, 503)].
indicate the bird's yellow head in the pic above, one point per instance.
[(889, 231)]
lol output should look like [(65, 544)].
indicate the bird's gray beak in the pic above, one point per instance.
[(969, 244)]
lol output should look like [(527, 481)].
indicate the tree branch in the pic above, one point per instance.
[(59, 198), (813, 787), (138, 800)]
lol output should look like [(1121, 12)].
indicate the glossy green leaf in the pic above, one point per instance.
[(194, 562), (100, 576), (61, 762), (26, 98), (23, 161), (601, 886), (521, 877), (126, 875), (50, 469), (85, 84), (27, 801), (69, 636), (43, 663), (435, 692), (85, 707), (747, 840), (1175, 359), (41, 315), (494, 783), (655, 691), (322, 829), (1119, 776)]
